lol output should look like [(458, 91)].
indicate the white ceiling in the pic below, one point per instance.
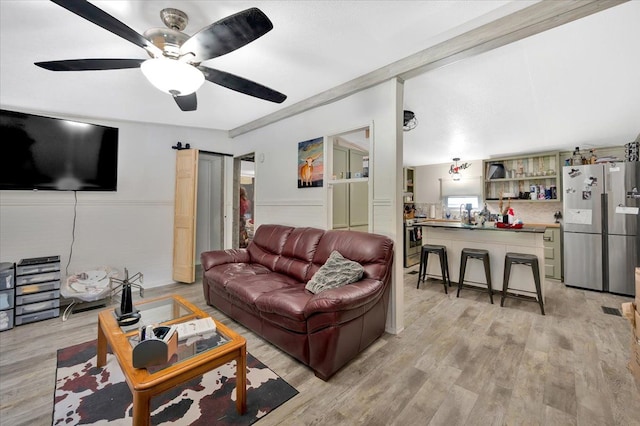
[(573, 85)]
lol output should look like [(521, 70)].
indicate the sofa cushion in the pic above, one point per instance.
[(224, 273), (267, 244), (285, 307), (298, 252), (372, 251), (248, 289), (336, 272)]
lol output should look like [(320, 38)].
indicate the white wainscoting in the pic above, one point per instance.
[(136, 234), (292, 213)]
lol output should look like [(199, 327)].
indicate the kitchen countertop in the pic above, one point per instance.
[(528, 224), (548, 225), (530, 228)]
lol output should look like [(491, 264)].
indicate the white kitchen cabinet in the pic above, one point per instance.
[(552, 254)]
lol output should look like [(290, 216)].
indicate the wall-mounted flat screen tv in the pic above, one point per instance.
[(44, 153)]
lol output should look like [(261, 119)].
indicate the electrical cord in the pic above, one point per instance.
[(73, 230)]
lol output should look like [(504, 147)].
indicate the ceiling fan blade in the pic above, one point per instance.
[(101, 18), (227, 35), (242, 85), (187, 102), (90, 64)]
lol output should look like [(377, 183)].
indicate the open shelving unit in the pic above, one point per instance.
[(409, 185), (517, 174)]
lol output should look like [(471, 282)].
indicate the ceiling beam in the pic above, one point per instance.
[(529, 21)]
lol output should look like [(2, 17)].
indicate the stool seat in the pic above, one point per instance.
[(473, 253), (511, 258), (521, 257), (434, 247), (441, 252)]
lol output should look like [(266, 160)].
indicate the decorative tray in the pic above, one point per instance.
[(509, 226)]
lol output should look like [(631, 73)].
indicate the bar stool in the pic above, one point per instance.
[(441, 252), (521, 259), (480, 254)]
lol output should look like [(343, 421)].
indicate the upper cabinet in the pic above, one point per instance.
[(533, 178), (409, 185)]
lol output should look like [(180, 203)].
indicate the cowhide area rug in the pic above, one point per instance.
[(87, 395)]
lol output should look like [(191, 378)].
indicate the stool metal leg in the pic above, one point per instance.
[(446, 262), (487, 274), (463, 265), (505, 280), (536, 278), (423, 261), (442, 257)]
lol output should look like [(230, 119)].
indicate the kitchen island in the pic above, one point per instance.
[(498, 241)]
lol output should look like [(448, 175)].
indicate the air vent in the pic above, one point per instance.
[(611, 311)]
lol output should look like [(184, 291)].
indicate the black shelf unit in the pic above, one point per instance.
[(37, 289)]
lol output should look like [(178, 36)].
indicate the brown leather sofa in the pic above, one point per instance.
[(263, 288)]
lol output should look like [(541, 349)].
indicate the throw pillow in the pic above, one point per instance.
[(336, 272)]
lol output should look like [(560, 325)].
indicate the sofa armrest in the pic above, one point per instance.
[(345, 298), (209, 259)]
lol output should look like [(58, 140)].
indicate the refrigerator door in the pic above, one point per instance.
[(622, 205), (583, 187), (623, 258), (583, 260)]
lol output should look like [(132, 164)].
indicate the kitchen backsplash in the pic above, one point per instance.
[(532, 212)]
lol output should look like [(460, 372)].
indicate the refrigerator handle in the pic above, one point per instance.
[(605, 241)]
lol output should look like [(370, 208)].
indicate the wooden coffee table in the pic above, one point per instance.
[(189, 362)]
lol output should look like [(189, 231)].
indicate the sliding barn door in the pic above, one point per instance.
[(184, 216)]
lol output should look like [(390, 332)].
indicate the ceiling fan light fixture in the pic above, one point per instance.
[(171, 76), (455, 170)]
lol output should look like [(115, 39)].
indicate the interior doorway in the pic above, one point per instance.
[(244, 200), (210, 196), (198, 222)]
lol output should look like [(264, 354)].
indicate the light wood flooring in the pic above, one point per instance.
[(459, 361)]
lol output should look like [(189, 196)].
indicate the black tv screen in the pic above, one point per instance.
[(44, 153)]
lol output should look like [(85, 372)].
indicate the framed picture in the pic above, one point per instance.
[(310, 163)]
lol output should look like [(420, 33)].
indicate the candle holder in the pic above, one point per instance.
[(127, 314)]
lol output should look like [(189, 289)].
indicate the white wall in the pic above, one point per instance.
[(427, 179), (277, 194), (130, 228), (278, 198)]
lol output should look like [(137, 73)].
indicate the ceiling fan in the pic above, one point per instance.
[(175, 64)]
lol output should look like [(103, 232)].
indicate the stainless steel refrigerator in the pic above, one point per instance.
[(600, 230)]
